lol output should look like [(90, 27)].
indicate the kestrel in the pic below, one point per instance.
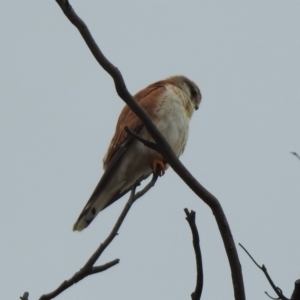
[(170, 104)]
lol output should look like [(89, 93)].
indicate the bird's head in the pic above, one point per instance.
[(190, 88)]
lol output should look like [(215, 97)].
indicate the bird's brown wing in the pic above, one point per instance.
[(149, 99)]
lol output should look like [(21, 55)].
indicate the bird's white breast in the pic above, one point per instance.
[(173, 117)]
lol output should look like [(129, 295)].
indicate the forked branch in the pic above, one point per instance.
[(277, 290), (89, 268)]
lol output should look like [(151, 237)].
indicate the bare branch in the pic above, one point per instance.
[(277, 290), (25, 296), (191, 218), (166, 150), (271, 296), (104, 267), (296, 292), (146, 188), (113, 233), (88, 268), (81, 274), (147, 143), (296, 154), (250, 256)]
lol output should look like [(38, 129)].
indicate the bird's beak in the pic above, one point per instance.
[(196, 106)]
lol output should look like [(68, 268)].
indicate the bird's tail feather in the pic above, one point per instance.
[(85, 219), (92, 208)]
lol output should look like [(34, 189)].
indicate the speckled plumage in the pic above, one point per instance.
[(170, 104)]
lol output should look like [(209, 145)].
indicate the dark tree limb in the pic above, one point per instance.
[(89, 268), (81, 274), (296, 154), (296, 292), (277, 290), (147, 143), (166, 151), (191, 218), (25, 296)]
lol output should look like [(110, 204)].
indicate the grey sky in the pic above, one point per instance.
[(57, 116)]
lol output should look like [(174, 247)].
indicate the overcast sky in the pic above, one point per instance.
[(57, 115)]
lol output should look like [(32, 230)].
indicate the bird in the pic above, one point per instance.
[(170, 104)]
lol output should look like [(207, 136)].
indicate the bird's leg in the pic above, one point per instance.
[(158, 167)]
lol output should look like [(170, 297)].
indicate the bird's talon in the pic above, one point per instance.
[(158, 167)]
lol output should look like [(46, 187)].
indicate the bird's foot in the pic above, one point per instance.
[(158, 167)]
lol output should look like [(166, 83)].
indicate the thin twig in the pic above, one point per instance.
[(88, 268), (147, 143), (296, 154), (277, 290), (271, 296), (146, 188), (191, 218), (250, 256), (166, 151), (25, 296)]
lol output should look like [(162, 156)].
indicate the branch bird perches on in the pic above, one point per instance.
[(89, 268)]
